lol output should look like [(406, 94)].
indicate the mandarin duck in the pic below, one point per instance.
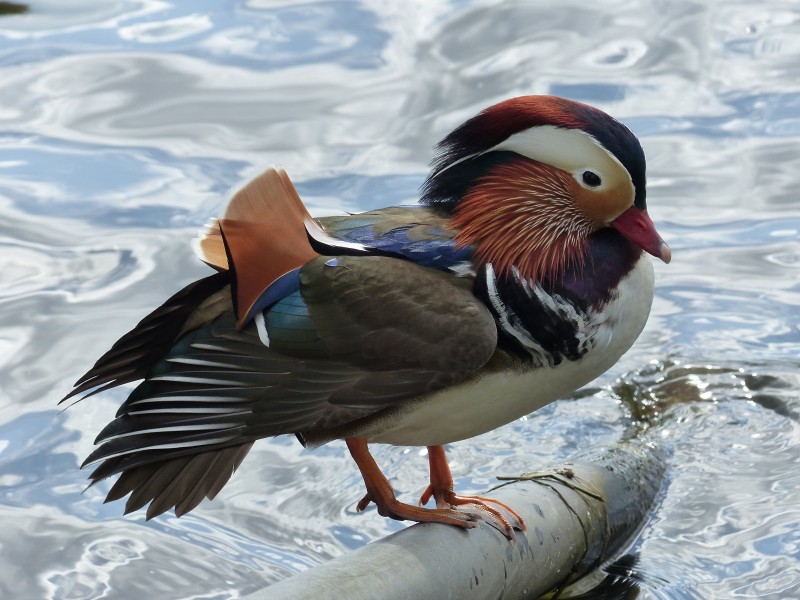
[(520, 277)]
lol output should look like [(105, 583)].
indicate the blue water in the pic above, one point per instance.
[(123, 126)]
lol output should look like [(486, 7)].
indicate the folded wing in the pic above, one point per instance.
[(360, 335)]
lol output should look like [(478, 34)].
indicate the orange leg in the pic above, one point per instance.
[(441, 489), (380, 492)]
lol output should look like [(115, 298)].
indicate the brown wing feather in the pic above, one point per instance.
[(261, 237), (260, 253), (256, 201), (386, 315), (210, 248)]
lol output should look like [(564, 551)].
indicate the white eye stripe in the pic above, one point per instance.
[(571, 150)]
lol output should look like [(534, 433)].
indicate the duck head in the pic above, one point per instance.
[(529, 180)]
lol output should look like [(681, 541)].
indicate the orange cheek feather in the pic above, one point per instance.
[(523, 214)]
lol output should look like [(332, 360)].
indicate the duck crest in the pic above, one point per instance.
[(465, 154)]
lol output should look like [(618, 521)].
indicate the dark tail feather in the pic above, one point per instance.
[(180, 482), (137, 351)]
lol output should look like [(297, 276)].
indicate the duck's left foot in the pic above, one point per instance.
[(487, 508), (389, 506), (441, 490)]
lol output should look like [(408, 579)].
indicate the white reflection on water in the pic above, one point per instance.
[(92, 574), (728, 522), (123, 125), (166, 31)]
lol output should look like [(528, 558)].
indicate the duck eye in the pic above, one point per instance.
[(591, 179)]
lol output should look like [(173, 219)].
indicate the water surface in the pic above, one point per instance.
[(123, 126)]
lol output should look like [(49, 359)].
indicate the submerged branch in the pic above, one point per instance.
[(578, 517)]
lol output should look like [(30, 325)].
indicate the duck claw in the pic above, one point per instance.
[(448, 499), (400, 511)]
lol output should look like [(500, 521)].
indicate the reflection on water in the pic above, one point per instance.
[(123, 126)]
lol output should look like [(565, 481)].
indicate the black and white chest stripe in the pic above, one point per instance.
[(533, 324)]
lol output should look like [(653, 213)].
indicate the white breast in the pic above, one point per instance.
[(476, 407)]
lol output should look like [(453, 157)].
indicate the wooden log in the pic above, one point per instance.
[(578, 516)]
